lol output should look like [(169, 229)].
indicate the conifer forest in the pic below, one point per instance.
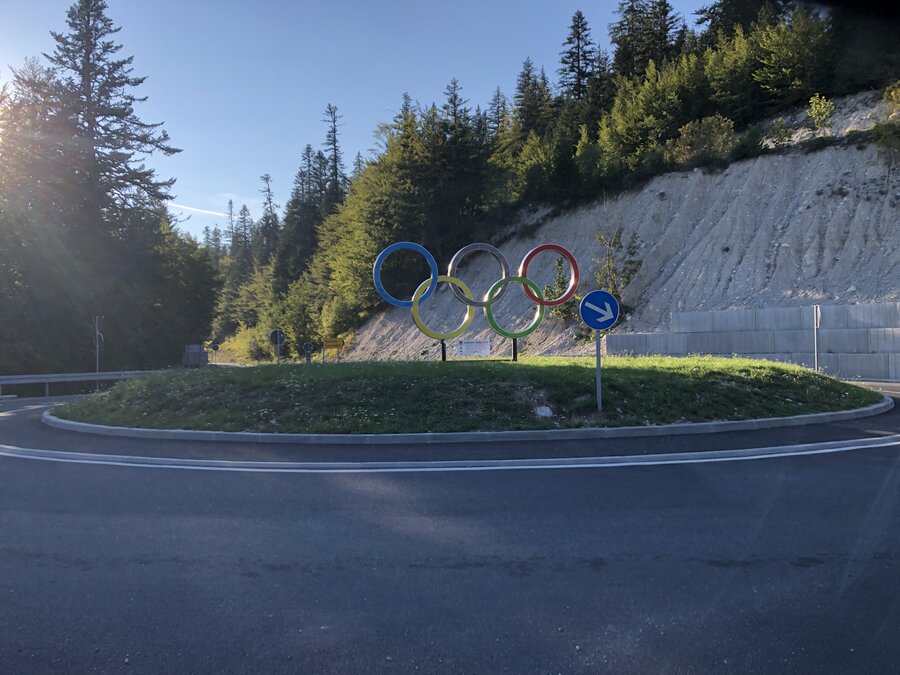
[(85, 229)]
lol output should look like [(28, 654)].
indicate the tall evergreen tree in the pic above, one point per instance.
[(533, 101), (265, 237), (576, 59), (230, 230), (601, 89), (106, 243), (336, 178), (298, 239), (794, 57), (725, 16), (319, 177), (628, 37), (663, 32), (94, 88), (497, 113), (359, 164)]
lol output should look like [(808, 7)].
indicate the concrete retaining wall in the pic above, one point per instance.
[(861, 341)]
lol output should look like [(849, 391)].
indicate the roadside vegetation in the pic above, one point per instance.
[(85, 231), (472, 395), (667, 96)]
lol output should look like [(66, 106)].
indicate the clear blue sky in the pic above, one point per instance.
[(242, 86)]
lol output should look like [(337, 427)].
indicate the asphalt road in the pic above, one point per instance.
[(776, 565)]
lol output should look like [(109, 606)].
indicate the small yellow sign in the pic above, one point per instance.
[(333, 343)]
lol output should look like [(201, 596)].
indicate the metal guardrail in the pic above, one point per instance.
[(50, 378)]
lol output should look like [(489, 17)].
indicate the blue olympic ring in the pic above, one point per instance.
[(410, 246)]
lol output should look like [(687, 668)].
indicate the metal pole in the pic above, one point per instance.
[(278, 352), (599, 389), (816, 338), (515, 349), (97, 347), (443, 351)]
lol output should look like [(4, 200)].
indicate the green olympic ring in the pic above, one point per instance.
[(490, 296)]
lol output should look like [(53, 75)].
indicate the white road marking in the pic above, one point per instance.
[(703, 457)]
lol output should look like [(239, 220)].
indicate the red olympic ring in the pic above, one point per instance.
[(573, 278)]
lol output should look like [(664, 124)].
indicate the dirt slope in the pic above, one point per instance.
[(777, 230)]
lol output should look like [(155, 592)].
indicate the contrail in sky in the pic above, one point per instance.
[(195, 210)]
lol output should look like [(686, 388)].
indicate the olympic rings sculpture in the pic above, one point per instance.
[(462, 292)]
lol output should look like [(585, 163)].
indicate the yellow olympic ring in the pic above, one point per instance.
[(470, 309)]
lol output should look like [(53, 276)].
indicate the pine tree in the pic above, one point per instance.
[(725, 16), (662, 30), (94, 88), (266, 234), (497, 113), (533, 100), (576, 59), (628, 37), (336, 179), (729, 68), (216, 245), (601, 90), (794, 58), (298, 242), (245, 228), (359, 164), (319, 182), (230, 230)]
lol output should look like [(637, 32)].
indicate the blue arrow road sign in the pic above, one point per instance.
[(599, 310)]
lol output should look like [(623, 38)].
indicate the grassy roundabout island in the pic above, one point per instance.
[(405, 397)]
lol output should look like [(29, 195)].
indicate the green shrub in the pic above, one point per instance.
[(749, 145), (567, 311), (615, 270), (702, 142), (892, 96), (819, 110), (780, 133), (887, 135), (818, 143)]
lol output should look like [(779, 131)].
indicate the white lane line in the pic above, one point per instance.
[(447, 466)]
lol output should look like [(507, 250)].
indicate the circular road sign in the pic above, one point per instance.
[(308, 347), (599, 310), (276, 337)]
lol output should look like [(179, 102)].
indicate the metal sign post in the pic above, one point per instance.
[(98, 340), (515, 349), (817, 320), (599, 371), (308, 348), (600, 311), (277, 337)]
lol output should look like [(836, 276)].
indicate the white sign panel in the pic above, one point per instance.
[(473, 347)]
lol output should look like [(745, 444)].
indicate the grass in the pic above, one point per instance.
[(369, 397)]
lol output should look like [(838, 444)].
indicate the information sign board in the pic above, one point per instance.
[(473, 347)]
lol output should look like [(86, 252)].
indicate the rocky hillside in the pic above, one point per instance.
[(778, 230)]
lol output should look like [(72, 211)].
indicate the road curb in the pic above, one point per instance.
[(469, 436)]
